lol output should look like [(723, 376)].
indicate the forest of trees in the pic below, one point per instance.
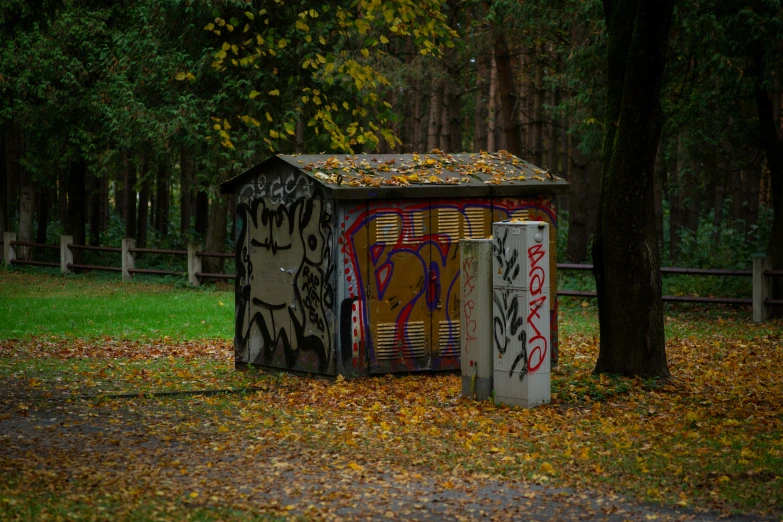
[(132, 113)]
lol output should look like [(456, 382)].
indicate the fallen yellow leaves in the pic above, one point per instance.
[(424, 169)]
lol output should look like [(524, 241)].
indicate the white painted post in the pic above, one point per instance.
[(762, 288), (66, 255), (194, 264), (9, 252), (476, 342), (128, 258)]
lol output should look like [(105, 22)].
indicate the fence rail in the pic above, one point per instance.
[(762, 288), (762, 272), (127, 251)]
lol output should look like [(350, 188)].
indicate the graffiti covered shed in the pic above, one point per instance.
[(351, 264)]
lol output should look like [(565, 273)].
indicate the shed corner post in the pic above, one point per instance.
[(194, 264), (66, 256), (761, 288), (128, 258), (9, 252)]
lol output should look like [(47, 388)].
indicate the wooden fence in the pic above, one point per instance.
[(761, 273)]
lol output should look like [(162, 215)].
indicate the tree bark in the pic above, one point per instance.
[(120, 184), (492, 107), (186, 190), (769, 133), (26, 213), (62, 196), (508, 95), (433, 127), (202, 208), (95, 210), (77, 204), (130, 199), (143, 211), (480, 113), (538, 108), (44, 204), (584, 177), (216, 234), (625, 248), (4, 224), (162, 201), (658, 184), (554, 134)]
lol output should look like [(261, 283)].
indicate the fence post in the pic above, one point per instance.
[(194, 264), (761, 288), (128, 258), (66, 256), (9, 252)]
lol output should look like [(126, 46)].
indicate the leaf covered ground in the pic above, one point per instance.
[(708, 443)]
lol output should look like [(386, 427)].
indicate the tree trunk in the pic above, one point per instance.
[(554, 134), (120, 185), (3, 186), (658, 184), (584, 176), (538, 108), (445, 129), (130, 199), (433, 128), (77, 204), (718, 193), (186, 190), (202, 208), (105, 210), (508, 95), (44, 204), (26, 213), (143, 212), (770, 141), (95, 210), (162, 199), (62, 196), (480, 113), (625, 248), (216, 234), (492, 107)]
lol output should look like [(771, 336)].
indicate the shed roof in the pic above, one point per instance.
[(435, 174)]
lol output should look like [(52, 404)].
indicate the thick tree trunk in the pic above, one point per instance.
[(216, 234), (445, 129), (26, 213), (143, 211), (625, 248), (584, 176), (658, 184), (202, 208), (769, 133), (130, 199), (508, 95), (186, 190)]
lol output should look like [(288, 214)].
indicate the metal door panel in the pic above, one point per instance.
[(401, 286)]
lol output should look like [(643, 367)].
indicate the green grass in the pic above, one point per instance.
[(88, 307)]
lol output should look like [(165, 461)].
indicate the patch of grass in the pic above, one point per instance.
[(17, 504), (89, 307)]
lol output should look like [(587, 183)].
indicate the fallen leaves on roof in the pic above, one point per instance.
[(435, 168)]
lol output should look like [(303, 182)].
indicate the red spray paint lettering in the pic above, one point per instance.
[(538, 343), (467, 308)]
